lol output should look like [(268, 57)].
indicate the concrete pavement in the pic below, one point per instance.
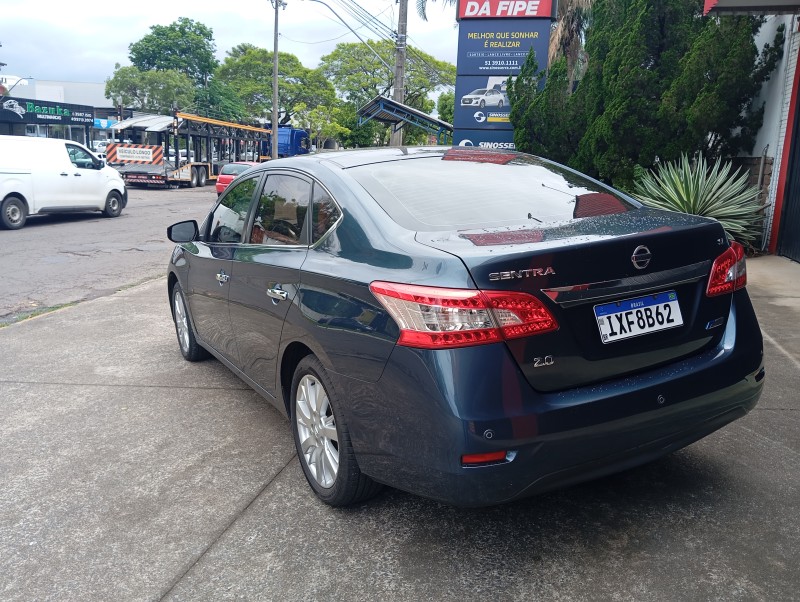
[(129, 474)]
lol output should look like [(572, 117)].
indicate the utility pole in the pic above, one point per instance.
[(400, 67), (277, 4)]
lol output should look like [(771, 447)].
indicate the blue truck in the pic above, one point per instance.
[(291, 142)]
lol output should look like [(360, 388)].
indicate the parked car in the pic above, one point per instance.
[(469, 325), (229, 171), (48, 175), (483, 97)]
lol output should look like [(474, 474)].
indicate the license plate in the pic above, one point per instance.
[(635, 317)]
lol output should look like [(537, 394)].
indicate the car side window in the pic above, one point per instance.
[(325, 213), (280, 216), (228, 219), (80, 158)]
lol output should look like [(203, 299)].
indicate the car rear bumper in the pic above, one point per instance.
[(429, 408)]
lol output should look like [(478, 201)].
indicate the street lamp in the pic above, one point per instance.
[(276, 4), (16, 83)]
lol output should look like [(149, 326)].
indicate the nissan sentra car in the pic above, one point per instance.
[(468, 325)]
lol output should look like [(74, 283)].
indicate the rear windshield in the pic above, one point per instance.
[(468, 189), (233, 169)]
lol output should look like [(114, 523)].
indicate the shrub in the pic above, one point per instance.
[(693, 188)]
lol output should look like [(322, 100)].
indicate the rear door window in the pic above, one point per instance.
[(325, 213), (280, 216)]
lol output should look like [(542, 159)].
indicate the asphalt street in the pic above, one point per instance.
[(127, 473)]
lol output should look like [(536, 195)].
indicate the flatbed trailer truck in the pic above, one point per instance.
[(190, 150)]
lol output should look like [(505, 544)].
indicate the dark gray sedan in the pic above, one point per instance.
[(468, 325)]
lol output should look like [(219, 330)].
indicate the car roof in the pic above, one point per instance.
[(367, 156)]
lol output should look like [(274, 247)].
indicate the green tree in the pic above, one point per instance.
[(186, 46), (445, 106), (248, 70), (709, 106), (219, 101), (367, 134), (359, 76), (150, 91), (321, 121), (661, 80), (634, 49), (543, 118)]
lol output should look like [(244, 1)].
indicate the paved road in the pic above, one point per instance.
[(59, 259), (129, 474)]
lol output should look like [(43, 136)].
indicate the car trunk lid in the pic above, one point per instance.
[(628, 290)]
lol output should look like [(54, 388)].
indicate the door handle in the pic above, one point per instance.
[(277, 293), (222, 277), (64, 173)]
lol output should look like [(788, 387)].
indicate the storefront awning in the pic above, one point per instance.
[(751, 7)]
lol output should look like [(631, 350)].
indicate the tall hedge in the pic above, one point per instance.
[(661, 80)]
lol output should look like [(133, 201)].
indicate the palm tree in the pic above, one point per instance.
[(567, 35), (423, 4)]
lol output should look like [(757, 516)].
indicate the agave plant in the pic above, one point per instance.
[(713, 193)]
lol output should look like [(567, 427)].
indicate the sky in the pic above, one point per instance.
[(82, 41)]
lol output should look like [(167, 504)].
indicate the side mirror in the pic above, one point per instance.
[(183, 231)]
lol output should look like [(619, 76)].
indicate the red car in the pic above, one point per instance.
[(229, 172)]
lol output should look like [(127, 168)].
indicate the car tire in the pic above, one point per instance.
[(202, 177), (113, 206), (322, 438), (482, 104), (13, 213), (190, 349), (193, 178)]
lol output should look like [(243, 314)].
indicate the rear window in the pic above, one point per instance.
[(234, 169), (464, 189)]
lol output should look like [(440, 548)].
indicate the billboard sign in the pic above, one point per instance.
[(43, 112), (504, 9), (494, 39), (500, 47), (491, 139)]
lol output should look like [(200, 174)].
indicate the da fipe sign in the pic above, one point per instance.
[(494, 38)]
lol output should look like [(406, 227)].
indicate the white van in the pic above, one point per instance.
[(47, 175)]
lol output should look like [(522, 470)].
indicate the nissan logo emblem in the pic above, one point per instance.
[(641, 257)]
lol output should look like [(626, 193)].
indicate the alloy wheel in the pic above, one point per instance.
[(316, 430), (181, 321)]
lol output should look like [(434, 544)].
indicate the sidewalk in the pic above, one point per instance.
[(127, 473), (774, 286)]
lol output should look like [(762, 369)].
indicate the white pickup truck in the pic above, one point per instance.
[(48, 175)]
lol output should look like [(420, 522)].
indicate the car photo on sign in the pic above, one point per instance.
[(470, 325), (482, 102), (483, 97)]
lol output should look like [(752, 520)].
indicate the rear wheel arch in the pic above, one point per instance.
[(19, 196), (292, 356)]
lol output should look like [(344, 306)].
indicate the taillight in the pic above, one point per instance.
[(436, 318), (728, 273)]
